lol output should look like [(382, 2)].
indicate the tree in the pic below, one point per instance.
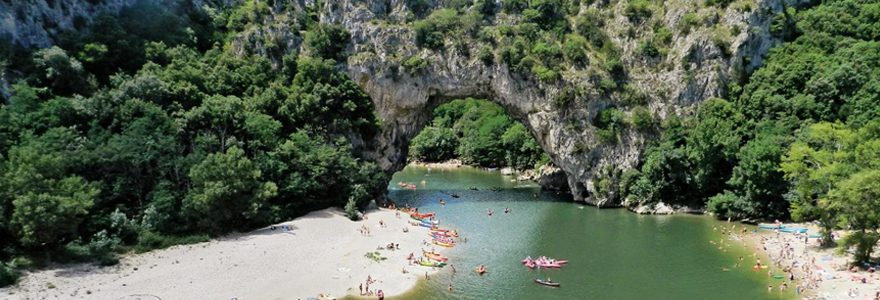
[(51, 217), (228, 191), (62, 72), (855, 204)]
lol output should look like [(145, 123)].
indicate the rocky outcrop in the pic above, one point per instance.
[(701, 65)]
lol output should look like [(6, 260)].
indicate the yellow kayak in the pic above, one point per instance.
[(443, 244)]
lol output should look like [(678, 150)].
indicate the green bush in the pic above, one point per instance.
[(638, 11), (431, 32), (606, 136), (351, 210), (485, 55), (641, 118), (414, 65), (149, 240), (8, 274), (574, 49), (328, 41), (545, 74)]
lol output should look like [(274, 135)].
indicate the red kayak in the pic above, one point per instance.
[(553, 284)]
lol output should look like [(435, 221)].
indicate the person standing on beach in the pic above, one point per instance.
[(769, 288), (361, 289)]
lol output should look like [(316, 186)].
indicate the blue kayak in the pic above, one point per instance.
[(769, 227), (794, 230)]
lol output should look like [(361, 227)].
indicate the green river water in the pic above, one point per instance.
[(614, 254)]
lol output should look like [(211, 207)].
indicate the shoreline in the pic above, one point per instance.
[(262, 264), (815, 266)]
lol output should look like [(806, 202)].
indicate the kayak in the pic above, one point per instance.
[(432, 264), (422, 216), (794, 230), (541, 281), (426, 225), (778, 277), (443, 244), (435, 222), (477, 269), (770, 227), (435, 257), (815, 236), (440, 230), (443, 240)]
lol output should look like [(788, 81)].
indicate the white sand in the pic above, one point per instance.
[(324, 253), (836, 288)]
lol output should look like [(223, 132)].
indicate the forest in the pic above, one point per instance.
[(150, 129), (799, 138), (477, 132)]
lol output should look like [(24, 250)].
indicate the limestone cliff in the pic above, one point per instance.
[(404, 100), (703, 56)]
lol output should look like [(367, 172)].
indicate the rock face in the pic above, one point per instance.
[(698, 65), (404, 100)]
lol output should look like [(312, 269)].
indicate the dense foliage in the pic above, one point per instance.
[(478, 132), (149, 130), (803, 132)]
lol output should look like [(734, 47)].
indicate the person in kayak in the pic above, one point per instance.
[(506, 210), (488, 212)]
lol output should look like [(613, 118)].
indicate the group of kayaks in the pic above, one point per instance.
[(784, 229), (440, 237)]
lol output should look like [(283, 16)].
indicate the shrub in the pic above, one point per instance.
[(485, 55), (419, 7), (689, 21), (431, 33), (574, 49), (149, 240), (641, 118), (648, 49), (351, 210), (328, 41), (606, 86), (414, 65), (637, 11), (544, 74), (514, 6), (606, 136), (8, 274)]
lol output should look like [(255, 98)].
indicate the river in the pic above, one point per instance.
[(614, 254)]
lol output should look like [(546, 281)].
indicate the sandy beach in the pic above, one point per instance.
[(818, 271), (323, 252)]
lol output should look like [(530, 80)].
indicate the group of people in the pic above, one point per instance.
[(365, 289)]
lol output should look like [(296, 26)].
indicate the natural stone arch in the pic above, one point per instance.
[(404, 99)]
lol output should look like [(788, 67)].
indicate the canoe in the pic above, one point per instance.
[(477, 269), (769, 226), (432, 264), (443, 240), (541, 281), (443, 244), (435, 257), (439, 233)]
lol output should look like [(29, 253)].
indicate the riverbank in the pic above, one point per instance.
[(322, 252), (817, 270)]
